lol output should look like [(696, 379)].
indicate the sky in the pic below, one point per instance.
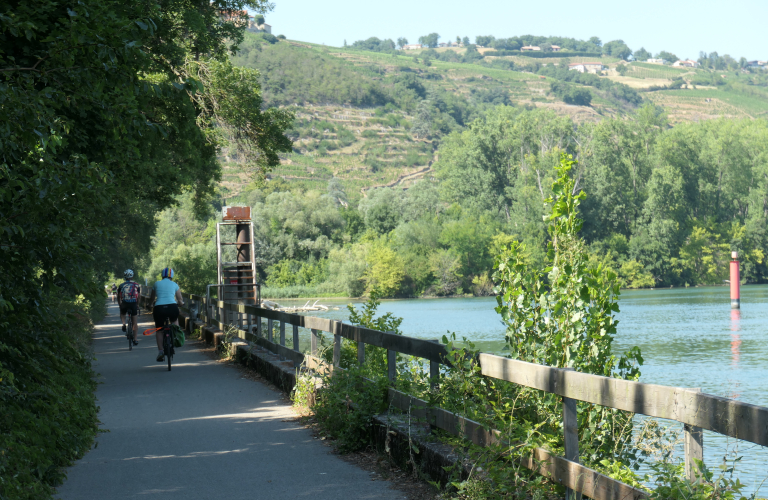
[(683, 27)]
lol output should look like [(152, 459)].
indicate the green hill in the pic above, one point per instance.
[(376, 119)]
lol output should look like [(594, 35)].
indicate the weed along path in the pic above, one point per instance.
[(200, 431)]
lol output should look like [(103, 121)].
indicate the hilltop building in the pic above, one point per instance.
[(586, 67), (657, 61), (413, 46), (757, 64), (555, 48), (529, 48), (264, 28), (242, 18), (687, 63)]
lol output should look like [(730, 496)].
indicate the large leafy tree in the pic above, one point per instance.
[(109, 110)]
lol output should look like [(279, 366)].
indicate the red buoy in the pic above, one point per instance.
[(735, 297)]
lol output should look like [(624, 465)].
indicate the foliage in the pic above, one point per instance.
[(641, 54), (295, 74), (562, 316), (47, 405), (605, 87), (345, 406), (347, 401), (375, 45), (541, 55), (111, 111), (617, 48), (720, 484), (571, 95), (429, 40)]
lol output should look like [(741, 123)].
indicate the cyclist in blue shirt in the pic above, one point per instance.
[(167, 298)]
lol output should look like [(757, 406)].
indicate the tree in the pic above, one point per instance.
[(617, 48), (402, 42), (422, 123), (596, 41), (667, 56), (111, 110), (430, 40), (578, 96), (485, 41), (622, 69), (641, 54), (258, 19), (561, 314), (465, 41), (458, 40), (385, 271)]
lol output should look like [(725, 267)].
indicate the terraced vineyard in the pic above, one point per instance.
[(355, 109)]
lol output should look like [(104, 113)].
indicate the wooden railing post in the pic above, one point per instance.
[(360, 352), (258, 326), (282, 333), (313, 343), (336, 343), (571, 431), (392, 366), (693, 442), (434, 371), (296, 338), (269, 329)]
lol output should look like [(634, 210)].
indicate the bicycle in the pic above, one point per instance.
[(168, 349), (129, 330)]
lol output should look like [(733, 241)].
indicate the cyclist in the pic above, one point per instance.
[(114, 292), (128, 300), (169, 298)]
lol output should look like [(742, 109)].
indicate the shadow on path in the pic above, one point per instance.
[(199, 431)]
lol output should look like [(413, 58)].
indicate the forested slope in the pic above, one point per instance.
[(463, 149), (376, 118)]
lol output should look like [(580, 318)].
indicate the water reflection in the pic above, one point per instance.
[(684, 334), (735, 338)]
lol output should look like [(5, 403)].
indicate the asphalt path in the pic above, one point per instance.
[(199, 431)]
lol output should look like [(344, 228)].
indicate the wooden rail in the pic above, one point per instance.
[(696, 410)]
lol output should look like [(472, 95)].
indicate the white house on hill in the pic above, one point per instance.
[(688, 63), (586, 67)]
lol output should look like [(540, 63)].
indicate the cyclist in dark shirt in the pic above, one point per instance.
[(128, 300)]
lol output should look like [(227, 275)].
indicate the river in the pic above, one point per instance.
[(688, 338)]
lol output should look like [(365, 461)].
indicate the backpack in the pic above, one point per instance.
[(178, 336), (130, 291)]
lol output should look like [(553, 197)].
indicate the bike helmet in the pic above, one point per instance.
[(128, 274), (167, 273)]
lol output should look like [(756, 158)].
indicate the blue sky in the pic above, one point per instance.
[(683, 27)]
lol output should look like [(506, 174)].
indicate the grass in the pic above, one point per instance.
[(646, 70), (750, 105)]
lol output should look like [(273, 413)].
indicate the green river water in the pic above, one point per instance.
[(688, 338)]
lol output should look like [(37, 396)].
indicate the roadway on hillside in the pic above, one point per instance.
[(200, 431)]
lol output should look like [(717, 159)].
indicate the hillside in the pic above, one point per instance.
[(375, 119)]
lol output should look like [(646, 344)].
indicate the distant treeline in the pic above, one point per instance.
[(540, 55), (665, 206)]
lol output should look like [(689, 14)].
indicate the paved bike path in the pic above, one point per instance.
[(200, 431)]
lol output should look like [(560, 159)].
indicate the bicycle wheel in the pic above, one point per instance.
[(129, 332), (168, 348)]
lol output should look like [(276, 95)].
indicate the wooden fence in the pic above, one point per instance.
[(694, 409)]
